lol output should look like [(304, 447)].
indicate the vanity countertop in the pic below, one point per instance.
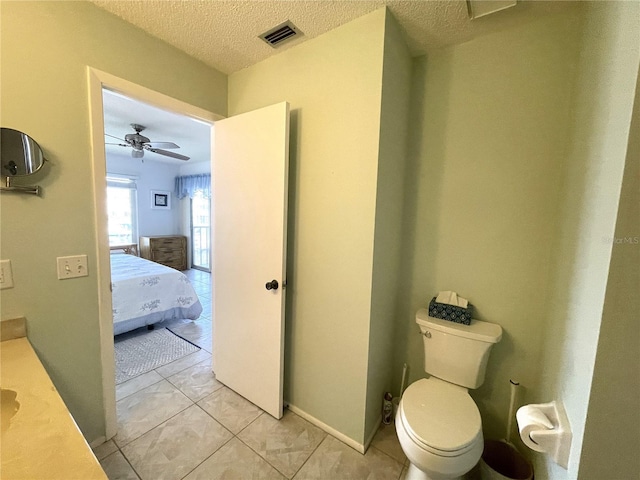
[(39, 438)]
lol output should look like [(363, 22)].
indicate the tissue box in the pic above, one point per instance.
[(452, 313)]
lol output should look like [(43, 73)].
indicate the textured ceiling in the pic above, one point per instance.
[(224, 34)]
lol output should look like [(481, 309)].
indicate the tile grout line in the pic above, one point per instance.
[(123, 456), (326, 435), (170, 383), (212, 454), (177, 413), (127, 460), (150, 385), (386, 454), (182, 370), (164, 421), (217, 449), (258, 453)]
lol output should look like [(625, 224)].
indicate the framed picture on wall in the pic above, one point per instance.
[(161, 199)]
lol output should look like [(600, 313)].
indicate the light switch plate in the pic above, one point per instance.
[(72, 266), (6, 275)]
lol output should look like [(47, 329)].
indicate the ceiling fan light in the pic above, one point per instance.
[(137, 153)]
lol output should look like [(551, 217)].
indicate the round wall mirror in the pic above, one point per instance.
[(20, 154)]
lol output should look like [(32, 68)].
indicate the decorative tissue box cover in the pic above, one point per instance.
[(450, 312)]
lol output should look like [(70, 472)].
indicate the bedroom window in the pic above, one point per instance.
[(122, 210)]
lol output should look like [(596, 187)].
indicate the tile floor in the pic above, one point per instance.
[(179, 422)]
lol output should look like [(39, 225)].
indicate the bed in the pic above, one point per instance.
[(145, 293)]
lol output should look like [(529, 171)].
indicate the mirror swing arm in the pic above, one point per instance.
[(8, 187)]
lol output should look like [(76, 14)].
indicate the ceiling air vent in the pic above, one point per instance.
[(280, 34)]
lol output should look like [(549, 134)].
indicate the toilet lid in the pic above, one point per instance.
[(440, 415)]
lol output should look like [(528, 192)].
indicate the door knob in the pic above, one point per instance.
[(272, 285)]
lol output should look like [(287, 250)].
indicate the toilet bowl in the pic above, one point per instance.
[(437, 422), (439, 429)]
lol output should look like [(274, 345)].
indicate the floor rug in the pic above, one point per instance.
[(149, 350)]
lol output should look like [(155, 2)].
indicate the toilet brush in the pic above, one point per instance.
[(512, 405), (396, 400), (404, 379)]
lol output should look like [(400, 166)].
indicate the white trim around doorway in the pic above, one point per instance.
[(97, 80)]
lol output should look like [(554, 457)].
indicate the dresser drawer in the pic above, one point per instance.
[(170, 243), (162, 256), (177, 264)]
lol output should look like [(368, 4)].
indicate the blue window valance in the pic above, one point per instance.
[(188, 185)]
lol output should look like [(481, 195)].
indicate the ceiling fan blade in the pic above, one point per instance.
[(119, 144), (117, 138), (162, 145), (168, 154)]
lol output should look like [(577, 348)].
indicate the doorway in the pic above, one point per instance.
[(98, 81)]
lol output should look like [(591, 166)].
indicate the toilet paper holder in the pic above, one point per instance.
[(552, 437)]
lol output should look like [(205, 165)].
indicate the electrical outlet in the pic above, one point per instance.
[(72, 266), (6, 275)]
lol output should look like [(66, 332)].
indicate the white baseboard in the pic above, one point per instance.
[(373, 433), (98, 441), (359, 447)]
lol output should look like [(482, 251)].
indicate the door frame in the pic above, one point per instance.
[(97, 80)]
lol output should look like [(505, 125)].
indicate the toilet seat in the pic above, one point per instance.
[(440, 417)]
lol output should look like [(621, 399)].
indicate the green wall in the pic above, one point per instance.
[(515, 165), (394, 129), (46, 47), (489, 123), (592, 173), (333, 84), (612, 430)]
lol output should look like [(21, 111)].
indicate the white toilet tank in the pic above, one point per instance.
[(454, 352)]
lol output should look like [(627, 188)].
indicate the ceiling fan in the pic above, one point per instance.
[(140, 143)]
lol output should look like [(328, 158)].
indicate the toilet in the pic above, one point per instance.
[(438, 423)]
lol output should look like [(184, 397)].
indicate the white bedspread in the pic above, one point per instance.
[(146, 292)]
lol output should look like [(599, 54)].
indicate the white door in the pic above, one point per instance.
[(249, 241)]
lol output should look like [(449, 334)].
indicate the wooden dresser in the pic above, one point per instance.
[(169, 250)]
